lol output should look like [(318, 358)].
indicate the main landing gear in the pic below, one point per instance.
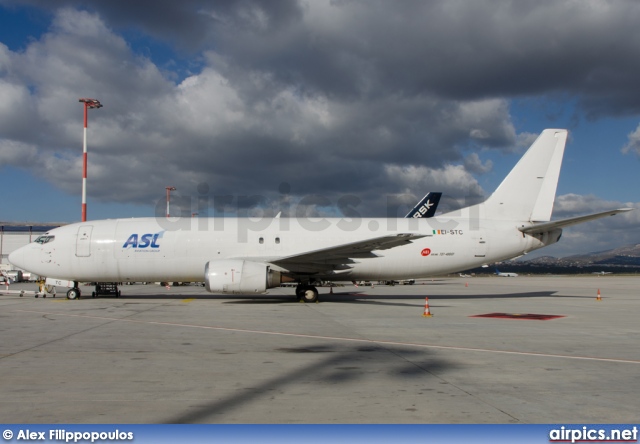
[(306, 293), (73, 293)]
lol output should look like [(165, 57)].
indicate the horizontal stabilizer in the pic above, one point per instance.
[(548, 226)]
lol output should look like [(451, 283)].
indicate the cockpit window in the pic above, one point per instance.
[(44, 239)]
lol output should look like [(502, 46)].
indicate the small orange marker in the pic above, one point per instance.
[(427, 312), (598, 298)]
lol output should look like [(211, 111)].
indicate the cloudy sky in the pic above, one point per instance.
[(310, 104)]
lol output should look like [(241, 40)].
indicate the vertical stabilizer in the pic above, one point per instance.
[(528, 192)]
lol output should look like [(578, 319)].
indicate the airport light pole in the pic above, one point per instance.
[(88, 104), (169, 190)]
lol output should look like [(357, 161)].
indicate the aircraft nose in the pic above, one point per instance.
[(16, 258)]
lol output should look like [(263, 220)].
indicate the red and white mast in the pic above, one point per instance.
[(88, 103)]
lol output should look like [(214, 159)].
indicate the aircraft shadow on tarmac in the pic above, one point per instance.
[(340, 295), (348, 297), (331, 366), (344, 297)]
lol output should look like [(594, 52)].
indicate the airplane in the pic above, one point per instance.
[(501, 274), (426, 207), (249, 256)]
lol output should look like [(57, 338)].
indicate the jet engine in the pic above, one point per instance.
[(239, 276)]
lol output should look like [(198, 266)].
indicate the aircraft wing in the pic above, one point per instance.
[(340, 256), (546, 226)]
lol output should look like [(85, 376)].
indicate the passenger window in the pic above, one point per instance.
[(261, 240), (277, 240)]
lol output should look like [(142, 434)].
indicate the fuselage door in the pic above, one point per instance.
[(480, 246), (83, 241)]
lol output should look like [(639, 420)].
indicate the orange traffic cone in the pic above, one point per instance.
[(466, 284), (427, 312), (598, 297)]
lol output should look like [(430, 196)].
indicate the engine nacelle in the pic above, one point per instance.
[(239, 276)]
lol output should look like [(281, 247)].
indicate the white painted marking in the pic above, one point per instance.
[(337, 338)]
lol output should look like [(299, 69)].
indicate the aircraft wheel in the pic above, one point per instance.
[(73, 293), (310, 294), (93, 294)]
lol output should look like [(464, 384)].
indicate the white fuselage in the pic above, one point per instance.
[(160, 249)]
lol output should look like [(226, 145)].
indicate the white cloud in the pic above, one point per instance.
[(569, 205), (633, 144), (330, 98), (458, 186), (239, 131), (473, 164), (16, 153)]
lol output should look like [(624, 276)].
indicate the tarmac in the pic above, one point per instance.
[(360, 355)]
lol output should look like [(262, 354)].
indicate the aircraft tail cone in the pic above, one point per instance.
[(598, 297), (427, 312)]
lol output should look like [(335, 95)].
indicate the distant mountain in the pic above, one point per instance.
[(618, 260), (623, 255), (627, 255)]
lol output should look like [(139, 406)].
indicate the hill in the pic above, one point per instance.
[(618, 260)]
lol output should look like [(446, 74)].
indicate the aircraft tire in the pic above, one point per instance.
[(73, 293), (309, 294)]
